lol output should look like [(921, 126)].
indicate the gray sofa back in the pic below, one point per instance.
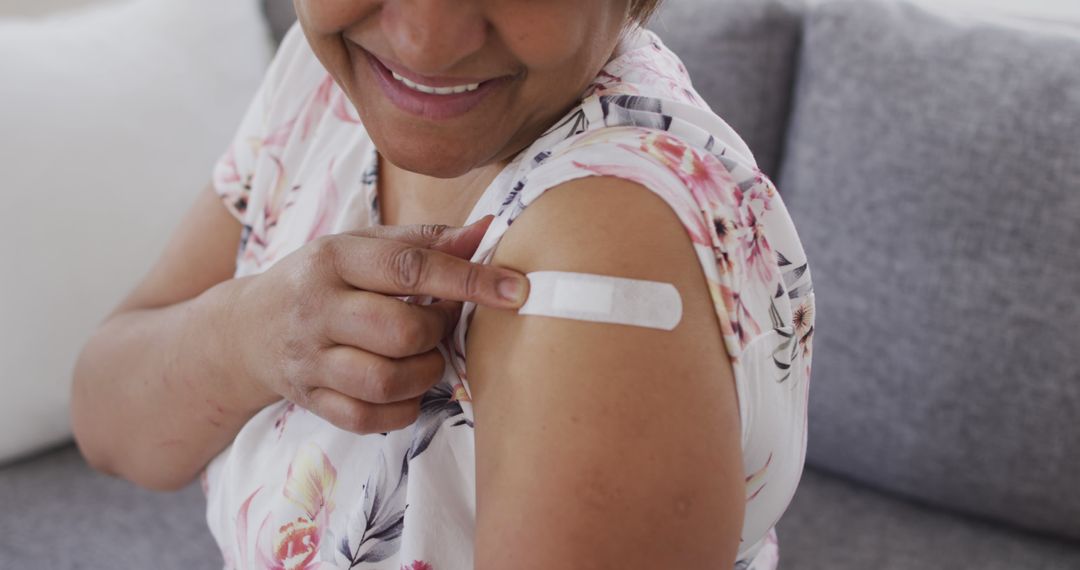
[(741, 55), (933, 170)]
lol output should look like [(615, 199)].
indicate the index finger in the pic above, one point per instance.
[(396, 268), (457, 241)]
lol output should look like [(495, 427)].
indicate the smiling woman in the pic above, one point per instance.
[(419, 433), (540, 58)]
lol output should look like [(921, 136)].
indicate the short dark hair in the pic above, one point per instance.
[(642, 10)]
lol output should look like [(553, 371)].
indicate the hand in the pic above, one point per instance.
[(322, 328)]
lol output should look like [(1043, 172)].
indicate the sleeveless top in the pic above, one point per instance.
[(293, 491)]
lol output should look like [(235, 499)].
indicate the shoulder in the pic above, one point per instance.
[(612, 411), (733, 216), (615, 227), (599, 223), (645, 66), (701, 188)]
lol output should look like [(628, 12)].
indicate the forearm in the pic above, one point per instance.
[(156, 394)]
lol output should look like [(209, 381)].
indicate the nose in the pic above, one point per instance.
[(431, 36)]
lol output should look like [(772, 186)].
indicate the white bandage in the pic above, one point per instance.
[(603, 299)]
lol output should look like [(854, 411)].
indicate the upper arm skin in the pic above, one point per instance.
[(200, 254), (599, 445)]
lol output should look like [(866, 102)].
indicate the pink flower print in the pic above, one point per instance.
[(278, 193), (722, 296), (294, 548), (310, 486), (279, 136), (417, 565), (328, 205), (311, 480), (708, 181), (690, 215), (460, 393), (242, 526), (743, 323), (755, 481), (806, 341), (725, 229), (345, 111), (313, 111), (803, 316), (600, 83), (279, 424), (230, 173), (760, 257)]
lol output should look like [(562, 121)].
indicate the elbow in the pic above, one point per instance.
[(129, 465), (94, 459), (161, 483), (100, 446), (89, 425), (84, 424), (138, 473)]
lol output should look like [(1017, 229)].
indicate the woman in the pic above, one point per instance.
[(337, 424)]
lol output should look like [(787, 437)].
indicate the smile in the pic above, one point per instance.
[(447, 99), (435, 90)]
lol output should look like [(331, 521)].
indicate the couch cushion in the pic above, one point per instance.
[(932, 170), (281, 15), (111, 121), (839, 525), (741, 54), (59, 514), (109, 523)]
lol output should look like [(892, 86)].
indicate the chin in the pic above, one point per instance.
[(438, 159), (439, 167)]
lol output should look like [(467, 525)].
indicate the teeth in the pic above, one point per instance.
[(436, 90)]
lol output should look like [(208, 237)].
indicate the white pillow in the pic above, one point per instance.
[(110, 121), (40, 7)]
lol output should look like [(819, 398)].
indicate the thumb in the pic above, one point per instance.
[(462, 242)]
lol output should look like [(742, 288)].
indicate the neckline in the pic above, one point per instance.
[(371, 179)]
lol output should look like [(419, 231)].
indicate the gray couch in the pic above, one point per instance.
[(933, 168)]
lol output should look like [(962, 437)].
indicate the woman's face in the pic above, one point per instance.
[(446, 86)]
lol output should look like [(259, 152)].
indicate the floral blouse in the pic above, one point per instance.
[(294, 492)]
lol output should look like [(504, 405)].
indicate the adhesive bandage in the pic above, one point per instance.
[(603, 299)]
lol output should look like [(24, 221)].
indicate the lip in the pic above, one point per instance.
[(425, 80), (430, 105)]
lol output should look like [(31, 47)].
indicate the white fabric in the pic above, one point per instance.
[(110, 119)]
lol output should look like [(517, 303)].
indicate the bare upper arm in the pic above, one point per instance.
[(604, 446), (200, 254)]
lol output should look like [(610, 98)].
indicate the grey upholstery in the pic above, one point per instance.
[(942, 219), (281, 16), (59, 514), (741, 54), (933, 173), (834, 524)]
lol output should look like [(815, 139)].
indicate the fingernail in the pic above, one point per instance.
[(512, 289), (482, 220)]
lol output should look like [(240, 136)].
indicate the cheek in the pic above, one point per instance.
[(324, 21), (543, 44), (327, 17), (561, 47)]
